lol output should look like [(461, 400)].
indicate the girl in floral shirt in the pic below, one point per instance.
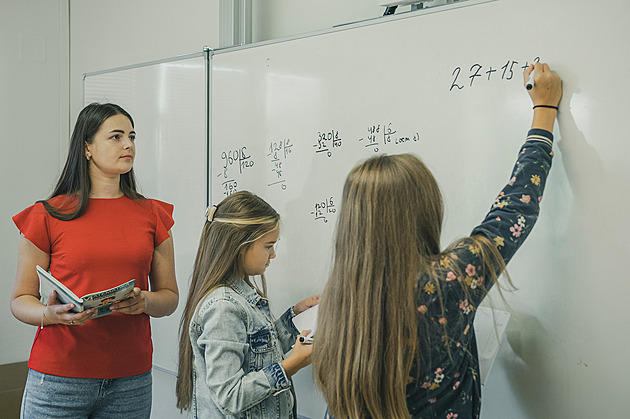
[(371, 357)]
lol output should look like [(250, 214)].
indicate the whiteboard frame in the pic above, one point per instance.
[(358, 24), (206, 53), (204, 139)]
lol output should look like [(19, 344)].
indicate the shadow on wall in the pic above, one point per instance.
[(534, 364), (529, 370), (544, 368)]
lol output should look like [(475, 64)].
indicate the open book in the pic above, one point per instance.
[(101, 299)]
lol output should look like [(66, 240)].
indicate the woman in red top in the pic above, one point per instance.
[(94, 232)]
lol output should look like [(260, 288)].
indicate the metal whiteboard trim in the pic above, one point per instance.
[(146, 64), (138, 65), (353, 25), (207, 55), (164, 370)]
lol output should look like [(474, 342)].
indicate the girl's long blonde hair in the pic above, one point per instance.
[(388, 234), (239, 220)]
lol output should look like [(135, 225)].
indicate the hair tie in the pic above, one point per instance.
[(545, 106), (210, 213)]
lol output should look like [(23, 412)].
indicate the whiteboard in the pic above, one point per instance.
[(167, 100), (290, 118)]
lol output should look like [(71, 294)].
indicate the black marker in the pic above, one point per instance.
[(307, 340), (530, 81)]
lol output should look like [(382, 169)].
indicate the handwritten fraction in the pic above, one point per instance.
[(506, 72), (238, 158), (381, 135), (278, 152), (327, 141), (323, 209)]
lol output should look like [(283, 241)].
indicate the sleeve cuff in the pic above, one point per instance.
[(286, 319), (540, 135), (277, 377)]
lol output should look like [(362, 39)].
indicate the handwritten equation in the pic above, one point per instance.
[(327, 141), (384, 134), (278, 152), (230, 159), (323, 208), (509, 70)]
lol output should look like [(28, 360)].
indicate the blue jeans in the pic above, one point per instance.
[(51, 396)]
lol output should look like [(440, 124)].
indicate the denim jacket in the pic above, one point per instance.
[(237, 350)]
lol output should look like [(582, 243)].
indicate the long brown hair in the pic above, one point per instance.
[(74, 181), (388, 234), (238, 221)]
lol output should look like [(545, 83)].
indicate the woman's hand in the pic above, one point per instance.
[(56, 313), (299, 357), (133, 303), (304, 305)]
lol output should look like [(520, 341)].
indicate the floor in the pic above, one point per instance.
[(12, 380)]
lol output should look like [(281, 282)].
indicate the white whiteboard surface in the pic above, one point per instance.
[(167, 101), (565, 355)]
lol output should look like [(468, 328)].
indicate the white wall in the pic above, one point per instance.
[(272, 19), (115, 33), (46, 47), (280, 18), (33, 119)]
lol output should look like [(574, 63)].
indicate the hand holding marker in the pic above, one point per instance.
[(306, 321), (307, 340), (530, 81)]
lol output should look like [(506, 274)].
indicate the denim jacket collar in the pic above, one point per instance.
[(246, 291)]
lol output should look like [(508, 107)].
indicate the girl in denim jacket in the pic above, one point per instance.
[(231, 349)]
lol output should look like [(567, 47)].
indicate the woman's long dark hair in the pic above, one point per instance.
[(74, 181)]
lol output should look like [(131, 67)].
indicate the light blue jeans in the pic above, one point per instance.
[(50, 396)]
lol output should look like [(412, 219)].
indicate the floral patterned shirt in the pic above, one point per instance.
[(447, 384)]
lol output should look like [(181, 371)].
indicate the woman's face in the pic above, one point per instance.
[(258, 256), (113, 149)]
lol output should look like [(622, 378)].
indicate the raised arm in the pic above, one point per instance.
[(516, 208)]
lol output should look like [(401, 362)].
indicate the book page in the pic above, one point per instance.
[(48, 284), (104, 299), (490, 327), (101, 299), (307, 320)]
